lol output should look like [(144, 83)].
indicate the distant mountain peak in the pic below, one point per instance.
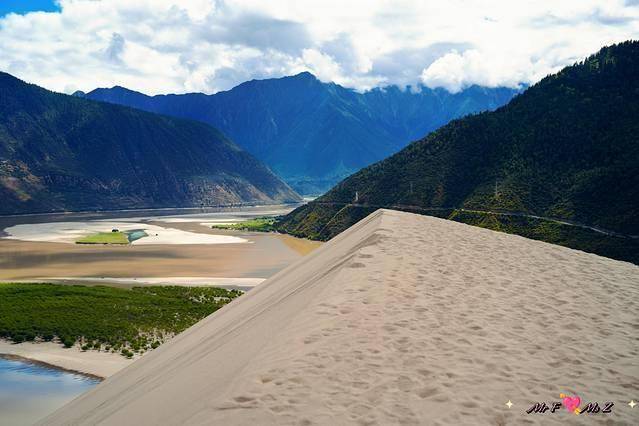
[(124, 89), (305, 75), (8, 78)]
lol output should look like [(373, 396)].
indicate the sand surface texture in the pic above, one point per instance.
[(402, 319)]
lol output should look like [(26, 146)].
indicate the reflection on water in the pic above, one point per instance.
[(31, 391)]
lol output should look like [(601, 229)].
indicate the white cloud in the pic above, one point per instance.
[(323, 65), (454, 71), (161, 46)]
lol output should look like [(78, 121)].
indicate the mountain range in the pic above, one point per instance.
[(313, 134), (60, 152), (559, 163)]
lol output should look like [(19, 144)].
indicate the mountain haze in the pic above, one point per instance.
[(59, 152), (565, 149), (313, 134)]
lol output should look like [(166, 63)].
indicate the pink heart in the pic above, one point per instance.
[(571, 402)]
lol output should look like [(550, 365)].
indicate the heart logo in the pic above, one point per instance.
[(571, 402)]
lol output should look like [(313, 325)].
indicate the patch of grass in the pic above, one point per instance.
[(105, 238), (123, 320), (259, 224)]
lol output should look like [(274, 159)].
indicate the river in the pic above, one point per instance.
[(185, 251), (29, 391)]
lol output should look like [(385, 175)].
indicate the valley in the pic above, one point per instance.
[(298, 213), (297, 125)]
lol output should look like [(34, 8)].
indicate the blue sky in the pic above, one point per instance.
[(25, 6), (177, 46)]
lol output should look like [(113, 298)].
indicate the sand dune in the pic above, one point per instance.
[(402, 319)]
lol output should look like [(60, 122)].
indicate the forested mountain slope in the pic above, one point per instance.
[(59, 152), (567, 148)]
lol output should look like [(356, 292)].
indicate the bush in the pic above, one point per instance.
[(104, 316)]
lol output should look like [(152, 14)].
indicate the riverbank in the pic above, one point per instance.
[(29, 390), (92, 363), (242, 284)]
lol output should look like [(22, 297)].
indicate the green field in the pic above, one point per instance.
[(105, 238), (259, 224), (104, 318)]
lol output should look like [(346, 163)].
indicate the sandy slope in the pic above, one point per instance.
[(402, 319)]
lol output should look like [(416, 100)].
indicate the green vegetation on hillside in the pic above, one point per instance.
[(258, 224), (60, 152), (104, 318), (567, 148), (105, 238)]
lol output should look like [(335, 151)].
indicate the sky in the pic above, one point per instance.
[(178, 46), (24, 6)]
